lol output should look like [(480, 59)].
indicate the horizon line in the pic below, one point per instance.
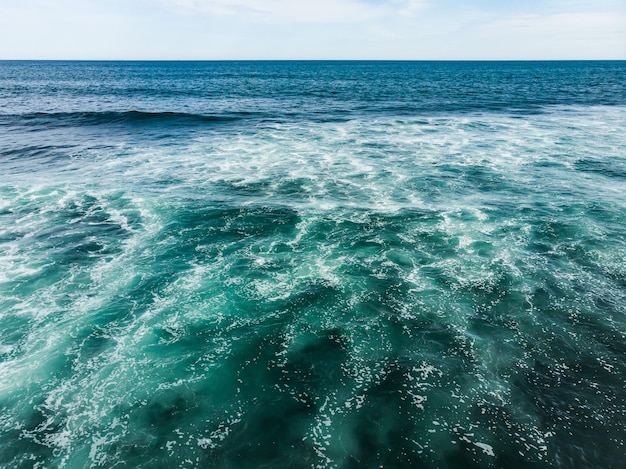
[(312, 60)]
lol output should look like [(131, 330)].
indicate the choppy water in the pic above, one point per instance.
[(312, 264)]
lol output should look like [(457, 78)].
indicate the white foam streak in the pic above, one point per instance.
[(443, 241)]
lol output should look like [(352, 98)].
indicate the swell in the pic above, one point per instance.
[(72, 119)]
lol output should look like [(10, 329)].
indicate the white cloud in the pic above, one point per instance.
[(312, 29), (309, 11), (564, 35), (564, 22)]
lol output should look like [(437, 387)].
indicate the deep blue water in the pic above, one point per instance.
[(312, 264)]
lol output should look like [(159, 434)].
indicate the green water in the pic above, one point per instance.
[(440, 292)]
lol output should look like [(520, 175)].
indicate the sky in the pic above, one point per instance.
[(313, 29)]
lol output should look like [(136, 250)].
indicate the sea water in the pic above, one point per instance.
[(312, 264)]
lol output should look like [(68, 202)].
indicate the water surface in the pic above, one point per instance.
[(312, 264)]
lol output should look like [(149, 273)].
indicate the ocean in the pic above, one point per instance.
[(312, 264)]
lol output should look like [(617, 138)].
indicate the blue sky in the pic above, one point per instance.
[(312, 29)]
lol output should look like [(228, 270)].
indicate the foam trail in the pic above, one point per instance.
[(432, 289)]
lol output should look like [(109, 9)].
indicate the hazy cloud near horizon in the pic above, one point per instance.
[(312, 29), (322, 11)]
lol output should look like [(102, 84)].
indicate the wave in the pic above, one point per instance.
[(276, 114), (133, 117)]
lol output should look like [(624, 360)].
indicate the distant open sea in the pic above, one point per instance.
[(312, 264)]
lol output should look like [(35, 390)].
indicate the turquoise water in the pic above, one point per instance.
[(312, 264)]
